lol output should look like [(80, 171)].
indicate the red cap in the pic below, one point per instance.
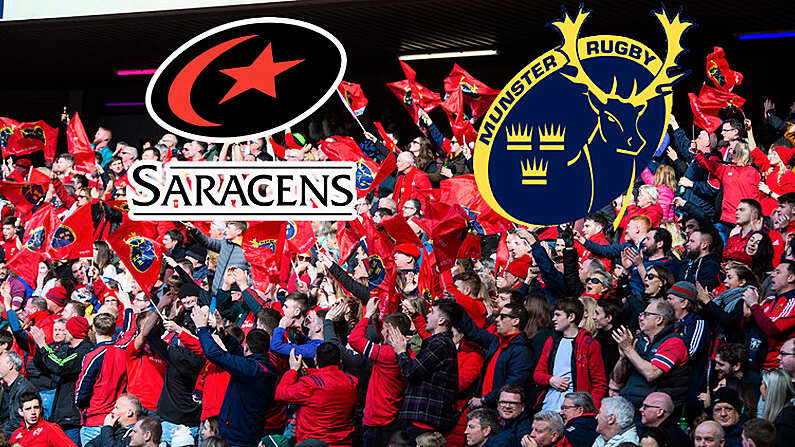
[(519, 268), (78, 327), (57, 295), (408, 249)]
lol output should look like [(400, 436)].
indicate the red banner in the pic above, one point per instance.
[(263, 245), (142, 255), (412, 95), (718, 71), (24, 138), (708, 103), (354, 96), (23, 195), (299, 236), (73, 237), (80, 146), (463, 190), (477, 95)]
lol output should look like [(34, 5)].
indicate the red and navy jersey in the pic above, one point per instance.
[(102, 380)]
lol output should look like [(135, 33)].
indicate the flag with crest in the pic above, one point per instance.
[(72, 238), (263, 245), (139, 251), (24, 138), (718, 71), (354, 96), (412, 95)]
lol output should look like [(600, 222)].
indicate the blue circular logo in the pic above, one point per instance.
[(63, 237), (376, 270), (291, 230), (364, 176), (142, 253), (36, 239)]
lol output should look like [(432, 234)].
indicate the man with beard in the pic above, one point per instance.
[(101, 144), (703, 265), (731, 371), (653, 251)]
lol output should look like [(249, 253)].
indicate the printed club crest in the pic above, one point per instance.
[(142, 252), (572, 130), (36, 239), (290, 230), (376, 270), (364, 176), (32, 193), (63, 237)]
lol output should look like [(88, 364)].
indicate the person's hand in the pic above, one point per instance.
[(200, 316), (295, 362), (624, 339), (671, 153), (337, 311), (229, 277), (409, 308), (370, 136), (579, 237), (672, 122), (527, 441), (170, 261), (110, 419), (396, 339), (567, 234), (702, 294), (475, 402), (768, 105), (411, 282), (705, 399), (38, 336), (686, 182), (285, 322), (764, 188), (679, 202), (559, 383), (189, 226), (372, 307), (626, 258), (446, 172), (241, 278), (172, 326), (324, 259), (301, 286), (424, 117), (751, 296), (747, 123), (467, 151)]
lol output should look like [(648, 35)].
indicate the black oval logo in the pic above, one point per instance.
[(246, 79)]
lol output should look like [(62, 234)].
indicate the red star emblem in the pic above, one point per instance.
[(260, 75)]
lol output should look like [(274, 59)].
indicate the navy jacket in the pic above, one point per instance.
[(704, 270), (514, 363), (581, 431), (249, 394)]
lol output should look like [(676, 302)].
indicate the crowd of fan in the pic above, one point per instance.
[(676, 330)]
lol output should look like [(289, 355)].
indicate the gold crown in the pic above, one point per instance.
[(534, 174), (519, 137), (552, 137)]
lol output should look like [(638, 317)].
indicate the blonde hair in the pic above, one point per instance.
[(676, 234), (431, 439), (665, 175), (742, 154), (651, 191), (587, 322), (779, 392)]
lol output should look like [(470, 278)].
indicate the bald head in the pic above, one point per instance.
[(663, 400), (656, 408), (709, 434)]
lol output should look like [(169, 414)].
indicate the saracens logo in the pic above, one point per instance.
[(246, 79)]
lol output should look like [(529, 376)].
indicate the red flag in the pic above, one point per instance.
[(24, 138), (348, 236), (25, 264), (142, 255), (470, 248), (263, 245), (708, 103), (39, 229), (413, 95), (399, 231), (447, 226), (428, 281), (463, 190), (382, 272), (23, 195), (278, 149), (300, 236), (723, 77), (385, 170), (474, 93), (388, 142), (354, 96), (502, 255), (72, 239), (80, 146), (367, 170)]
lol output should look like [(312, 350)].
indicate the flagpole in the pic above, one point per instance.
[(353, 114)]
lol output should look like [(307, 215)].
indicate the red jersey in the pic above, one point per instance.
[(145, 371), (42, 434), (776, 317), (735, 248)]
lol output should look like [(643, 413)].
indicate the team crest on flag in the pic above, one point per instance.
[(364, 176), (142, 252), (376, 270), (63, 237), (290, 230), (263, 243), (577, 124), (34, 133), (32, 193), (472, 222), (36, 239), (5, 135)]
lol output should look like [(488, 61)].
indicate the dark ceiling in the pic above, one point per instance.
[(51, 63)]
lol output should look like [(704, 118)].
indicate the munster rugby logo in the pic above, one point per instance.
[(63, 237), (376, 270), (32, 193), (364, 176), (246, 79), (142, 253), (36, 239), (290, 230), (572, 130)]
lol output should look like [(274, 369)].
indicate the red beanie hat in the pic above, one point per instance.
[(57, 295), (78, 327), (408, 249), (519, 268)]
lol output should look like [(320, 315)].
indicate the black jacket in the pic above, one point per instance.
[(519, 427), (705, 270), (116, 436), (10, 419), (65, 365), (785, 426), (581, 431), (176, 403)]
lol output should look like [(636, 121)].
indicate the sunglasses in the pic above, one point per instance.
[(501, 316), (593, 281), (651, 276), (303, 258)]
